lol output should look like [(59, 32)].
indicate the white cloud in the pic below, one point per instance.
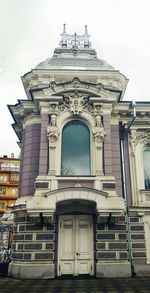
[(29, 32)]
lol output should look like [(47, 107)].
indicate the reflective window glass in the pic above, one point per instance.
[(146, 161), (75, 149)]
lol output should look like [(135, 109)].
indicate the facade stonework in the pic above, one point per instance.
[(83, 206)]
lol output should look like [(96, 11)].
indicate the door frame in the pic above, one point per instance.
[(60, 217)]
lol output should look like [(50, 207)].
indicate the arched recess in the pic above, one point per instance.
[(142, 142), (75, 149), (146, 167), (47, 203), (75, 206), (84, 118)]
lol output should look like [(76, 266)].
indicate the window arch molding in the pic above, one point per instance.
[(146, 166), (137, 167), (89, 122), (141, 147)]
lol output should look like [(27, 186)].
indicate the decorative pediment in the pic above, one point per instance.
[(46, 204), (96, 90), (74, 85)]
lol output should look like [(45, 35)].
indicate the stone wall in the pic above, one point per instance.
[(36, 244), (32, 243), (111, 241), (30, 159), (112, 248)]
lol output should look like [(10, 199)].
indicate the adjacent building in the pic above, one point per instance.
[(84, 199), (9, 182)]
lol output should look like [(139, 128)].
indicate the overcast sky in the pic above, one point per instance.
[(30, 30)]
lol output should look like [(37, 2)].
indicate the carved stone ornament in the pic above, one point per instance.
[(139, 137), (76, 103), (52, 129), (98, 130)]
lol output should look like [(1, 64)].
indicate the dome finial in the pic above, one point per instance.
[(63, 41), (86, 30), (64, 28), (75, 40)]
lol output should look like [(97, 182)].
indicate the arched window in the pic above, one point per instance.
[(75, 159), (146, 162)]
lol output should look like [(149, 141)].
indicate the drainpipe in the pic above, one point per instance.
[(133, 105)]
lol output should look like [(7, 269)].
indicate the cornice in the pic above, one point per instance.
[(38, 77), (30, 120)]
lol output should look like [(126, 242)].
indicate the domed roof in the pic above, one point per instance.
[(74, 53)]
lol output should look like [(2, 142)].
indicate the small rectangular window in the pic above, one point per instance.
[(2, 190)]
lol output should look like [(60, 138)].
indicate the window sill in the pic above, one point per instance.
[(91, 178), (145, 195)]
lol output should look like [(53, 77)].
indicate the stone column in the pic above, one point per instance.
[(30, 156), (43, 160), (98, 133), (107, 146), (52, 134)]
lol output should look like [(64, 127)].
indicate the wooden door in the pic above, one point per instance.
[(75, 248)]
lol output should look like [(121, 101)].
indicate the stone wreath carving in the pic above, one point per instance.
[(52, 129)]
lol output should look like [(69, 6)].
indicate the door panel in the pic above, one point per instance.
[(67, 245), (75, 245)]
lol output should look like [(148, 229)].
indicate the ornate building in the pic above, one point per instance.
[(9, 181), (84, 201)]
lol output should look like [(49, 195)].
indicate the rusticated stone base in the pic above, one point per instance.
[(141, 270), (31, 270), (113, 270)]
